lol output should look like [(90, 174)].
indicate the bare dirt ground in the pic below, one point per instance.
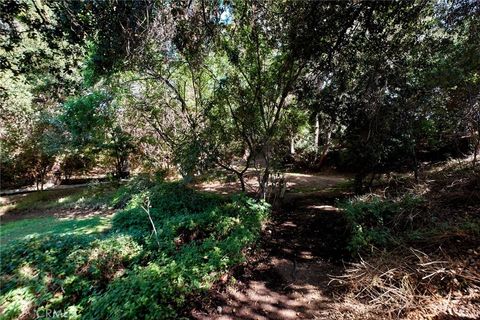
[(291, 276), (295, 182)]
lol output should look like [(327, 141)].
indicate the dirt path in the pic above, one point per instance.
[(295, 182), (302, 248)]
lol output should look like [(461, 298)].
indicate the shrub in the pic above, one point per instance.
[(130, 273), (104, 259), (373, 220), (166, 199), (180, 268)]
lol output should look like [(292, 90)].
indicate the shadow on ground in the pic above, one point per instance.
[(303, 247)]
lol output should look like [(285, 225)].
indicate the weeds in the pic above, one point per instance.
[(406, 279)]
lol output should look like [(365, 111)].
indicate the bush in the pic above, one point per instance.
[(374, 221), (129, 272), (105, 259), (75, 163), (183, 265)]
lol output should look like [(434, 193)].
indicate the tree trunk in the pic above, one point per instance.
[(317, 134), (264, 183), (239, 174), (326, 147), (266, 174), (370, 183), (246, 154), (475, 151), (43, 174), (242, 180), (415, 167), (292, 145), (476, 136), (358, 182)]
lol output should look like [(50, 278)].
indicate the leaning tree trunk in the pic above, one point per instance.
[(241, 178), (239, 173), (326, 147)]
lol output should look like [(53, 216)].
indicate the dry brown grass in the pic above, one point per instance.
[(409, 283), (442, 279)]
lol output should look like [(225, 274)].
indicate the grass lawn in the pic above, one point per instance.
[(37, 227), (95, 195)]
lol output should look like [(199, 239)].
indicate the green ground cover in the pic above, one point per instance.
[(121, 267)]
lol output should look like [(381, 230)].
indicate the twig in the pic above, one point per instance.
[(147, 210)]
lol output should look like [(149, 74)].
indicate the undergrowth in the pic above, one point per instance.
[(378, 222), (130, 271), (416, 248)]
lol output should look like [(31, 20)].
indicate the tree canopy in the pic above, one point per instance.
[(238, 84)]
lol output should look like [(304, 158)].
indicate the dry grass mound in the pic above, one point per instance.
[(433, 271)]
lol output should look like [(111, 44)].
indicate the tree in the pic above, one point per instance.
[(194, 79), (91, 127), (256, 86), (38, 68), (369, 76)]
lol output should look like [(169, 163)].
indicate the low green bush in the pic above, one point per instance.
[(374, 221), (160, 289), (130, 272)]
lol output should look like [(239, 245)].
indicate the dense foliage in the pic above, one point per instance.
[(223, 87), (401, 214), (133, 270), (377, 222), (368, 86)]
